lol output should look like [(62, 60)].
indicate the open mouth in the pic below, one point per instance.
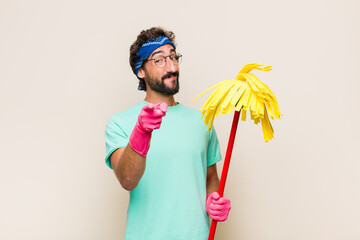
[(170, 76)]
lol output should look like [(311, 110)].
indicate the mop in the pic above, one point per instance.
[(245, 93)]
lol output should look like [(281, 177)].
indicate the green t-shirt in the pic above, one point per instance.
[(169, 201)]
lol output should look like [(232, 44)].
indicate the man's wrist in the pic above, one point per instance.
[(140, 140)]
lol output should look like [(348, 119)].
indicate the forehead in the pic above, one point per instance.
[(166, 49)]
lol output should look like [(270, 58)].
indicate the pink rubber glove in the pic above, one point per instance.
[(149, 119), (217, 207)]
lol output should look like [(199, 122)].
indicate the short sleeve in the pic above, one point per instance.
[(213, 153), (115, 137)]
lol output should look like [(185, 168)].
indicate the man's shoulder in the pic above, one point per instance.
[(189, 114), (190, 110), (196, 117)]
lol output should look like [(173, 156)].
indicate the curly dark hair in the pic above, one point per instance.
[(143, 37)]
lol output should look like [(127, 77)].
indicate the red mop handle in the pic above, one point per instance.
[(225, 167)]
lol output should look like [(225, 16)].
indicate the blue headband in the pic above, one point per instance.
[(146, 50)]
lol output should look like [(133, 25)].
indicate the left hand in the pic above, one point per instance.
[(217, 207)]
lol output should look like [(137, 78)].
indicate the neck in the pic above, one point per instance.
[(155, 98)]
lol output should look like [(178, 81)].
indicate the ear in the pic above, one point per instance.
[(141, 73)]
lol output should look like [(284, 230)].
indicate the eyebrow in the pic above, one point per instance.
[(161, 51), (154, 53)]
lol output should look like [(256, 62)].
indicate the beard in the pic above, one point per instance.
[(160, 86)]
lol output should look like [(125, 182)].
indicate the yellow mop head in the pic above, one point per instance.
[(245, 92)]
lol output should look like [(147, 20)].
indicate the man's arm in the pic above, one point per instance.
[(212, 180), (129, 162), (129, 166)]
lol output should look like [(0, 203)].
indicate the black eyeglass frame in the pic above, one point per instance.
[(178, 56)]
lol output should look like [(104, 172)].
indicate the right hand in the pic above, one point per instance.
[(149, 119), (151, 115)]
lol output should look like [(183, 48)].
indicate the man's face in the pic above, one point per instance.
[(163, 80)]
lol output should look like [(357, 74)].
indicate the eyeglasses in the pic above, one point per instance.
[(160, 61)]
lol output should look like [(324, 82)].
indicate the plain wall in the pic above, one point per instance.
[(64, 71)]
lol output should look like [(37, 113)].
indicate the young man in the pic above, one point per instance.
[(161, 152)]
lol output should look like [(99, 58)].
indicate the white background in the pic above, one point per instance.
[(64, 71)]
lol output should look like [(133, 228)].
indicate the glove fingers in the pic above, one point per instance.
[(155, 124), (152, 107), (151, 115), (217, 207), (221, 201), (214, 213), (156, 113)]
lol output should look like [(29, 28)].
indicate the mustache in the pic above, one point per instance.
[(170, 74)]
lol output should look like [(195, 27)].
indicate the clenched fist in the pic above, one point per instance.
[(217, 207)]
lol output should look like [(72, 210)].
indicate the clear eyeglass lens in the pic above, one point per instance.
[(160, 61), (178, 58)]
